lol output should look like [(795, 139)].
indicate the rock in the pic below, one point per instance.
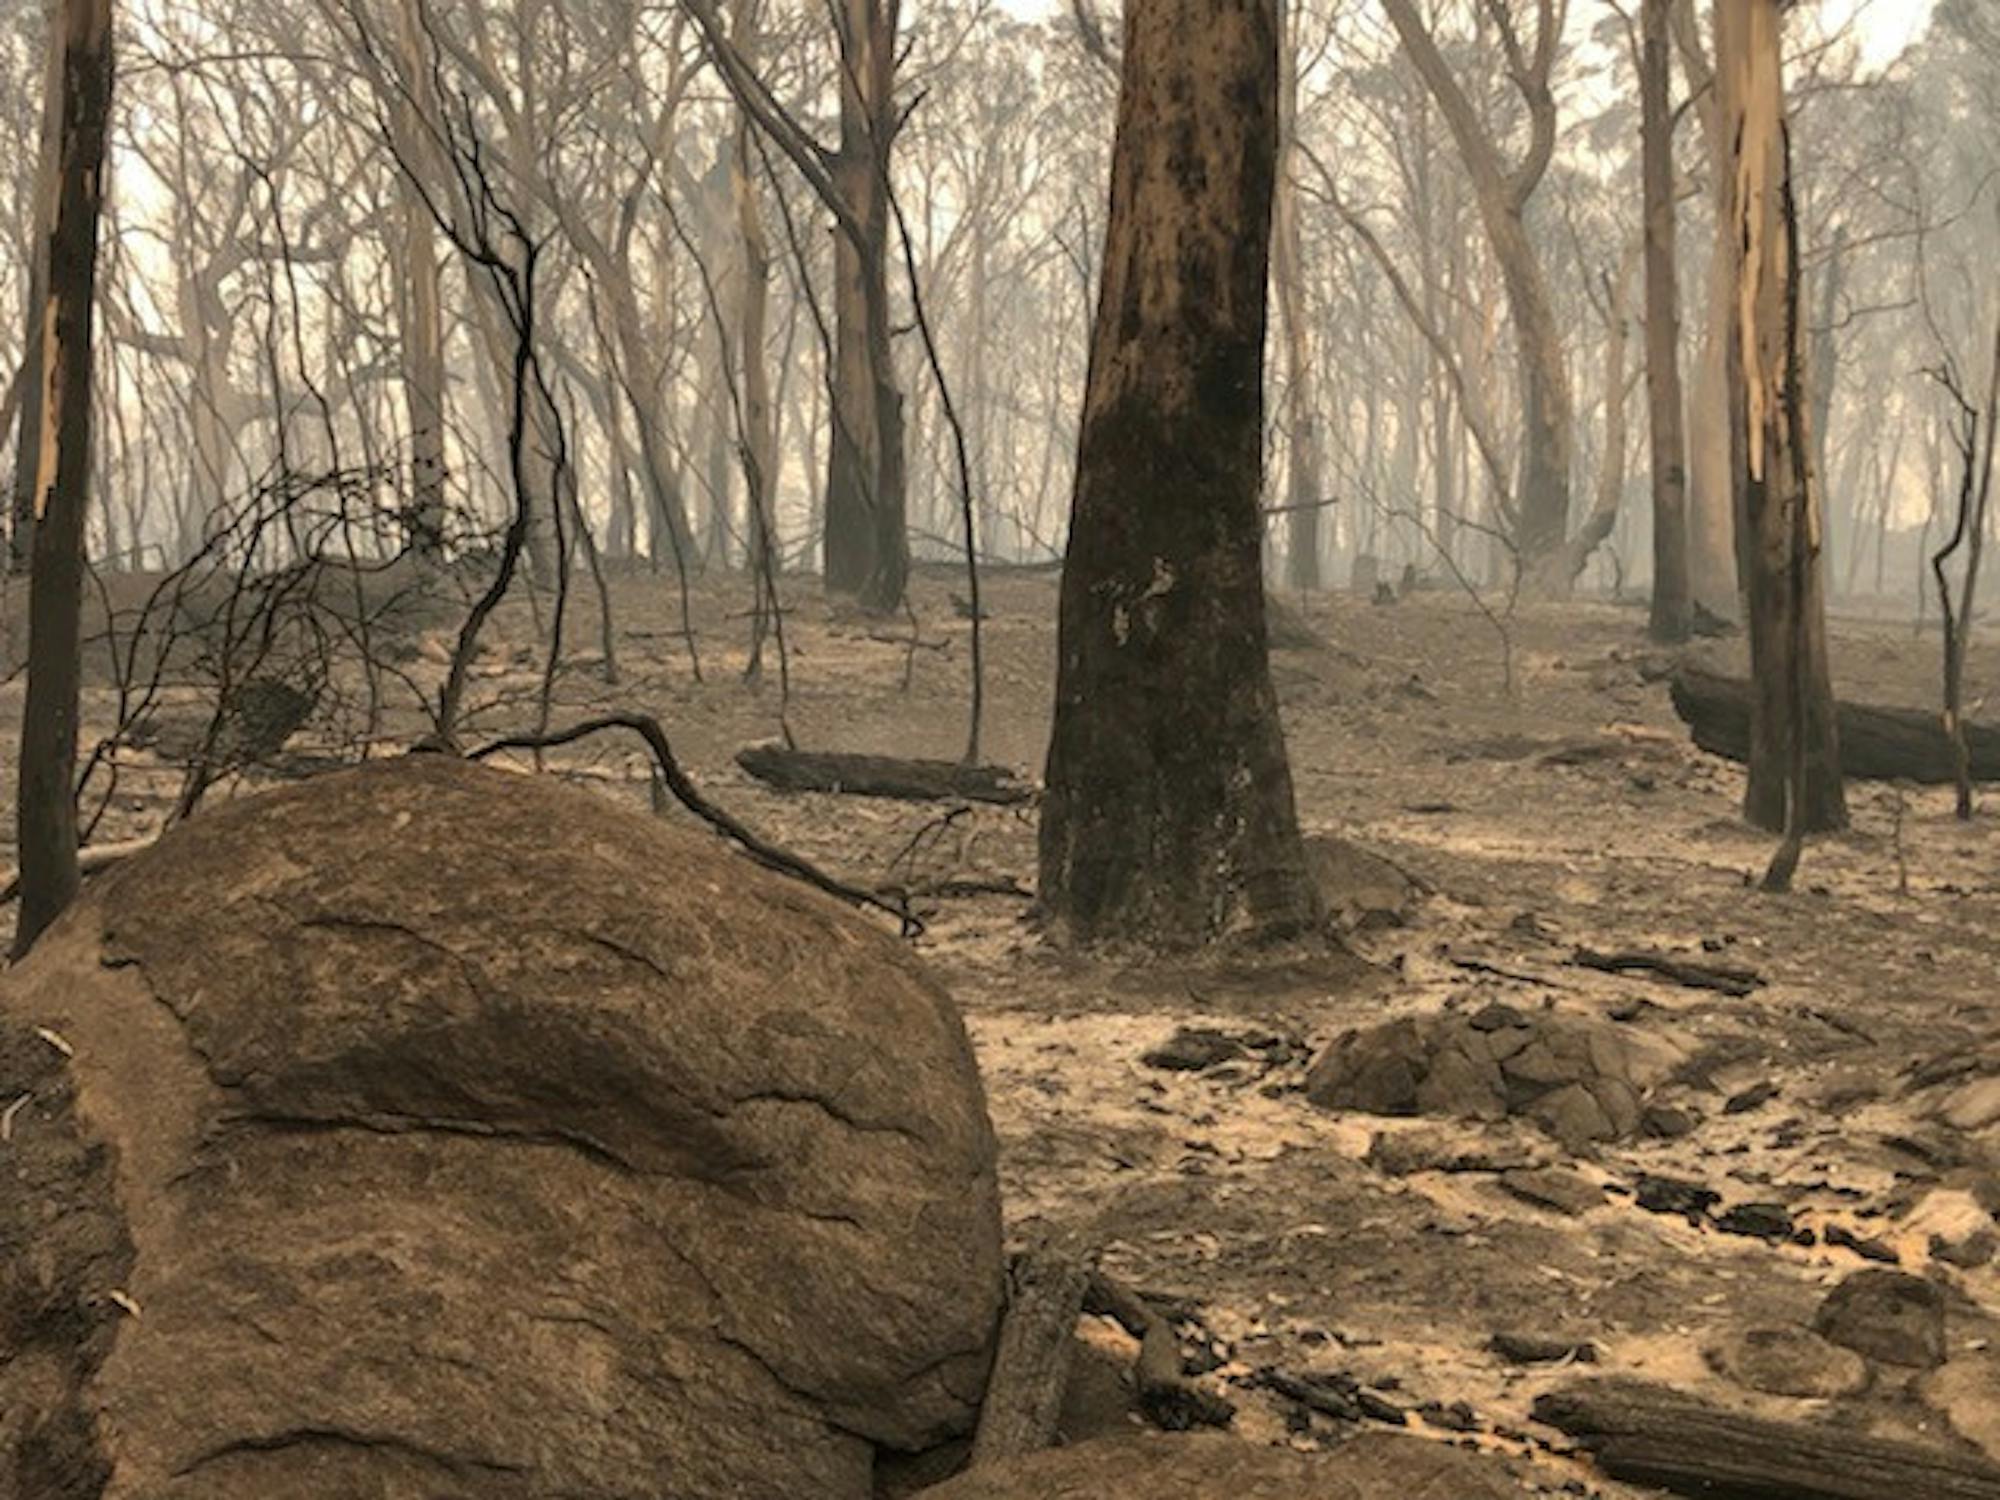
[(1555, 1188), (1957, 1226), (1675, 1195), (1363, 891), (1972, 1106), (1665, 1122), (1541, 1348), (1867, 1248), (1754, 1097), (431, 1130), (1456, 1416), (1967, 1393), (1374, 1466), (1581, 1079), (1888, 1316), (1433, 1148), (1380, 1078), (1762, 1221), (1969, 1254), (1192, 1049), (1787, 1362)]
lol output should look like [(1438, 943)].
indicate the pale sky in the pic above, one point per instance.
[(1886, 26)]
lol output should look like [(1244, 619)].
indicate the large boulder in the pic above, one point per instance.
[(1378, 1466), (429, 1131)]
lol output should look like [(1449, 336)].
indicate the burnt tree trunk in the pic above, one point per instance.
[(47, 813), (34, 344), (1794, 765), (1672, 595), (867, 546), (1169, 817)]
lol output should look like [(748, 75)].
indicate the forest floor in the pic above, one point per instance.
[(1568, 811)]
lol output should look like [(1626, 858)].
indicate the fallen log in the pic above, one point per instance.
[(1876, 744), (882, 776), (1024, 1394), (1723, 979), (1649, 1435)]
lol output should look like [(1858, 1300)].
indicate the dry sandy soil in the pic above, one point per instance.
[(1568, 811)]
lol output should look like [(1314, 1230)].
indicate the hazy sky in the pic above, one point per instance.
[(1887, 26)]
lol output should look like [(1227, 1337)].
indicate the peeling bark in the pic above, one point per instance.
[(1794, 767), (47, 808)]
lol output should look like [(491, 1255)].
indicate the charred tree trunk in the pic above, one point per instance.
[(867, 548), (1672, 599), (760, 436), (34, 344), (1169, 818), (1794, 767), (47, 816)]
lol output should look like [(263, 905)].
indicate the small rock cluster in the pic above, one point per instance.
[(1872, 1318), (1583, 1081)]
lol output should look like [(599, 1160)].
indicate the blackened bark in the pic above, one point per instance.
[(1877, 743), (867, 544), (47, 812), (1672, 596), (34, 376), (1169, 818)]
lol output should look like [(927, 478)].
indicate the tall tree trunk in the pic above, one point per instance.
[(1672, 600), (978, 401), (622, 542), (1794, 767), (421, 292), (34, 343), (47, 812), (867, 547), (1303, 468), (1547, 414), (541, 479), (1712, 577), (1603, 518), (672, 535), (1169, 817), (422, 300), (760, 435), (1823, 356)]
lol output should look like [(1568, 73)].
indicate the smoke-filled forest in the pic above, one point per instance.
[(999, 748)]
